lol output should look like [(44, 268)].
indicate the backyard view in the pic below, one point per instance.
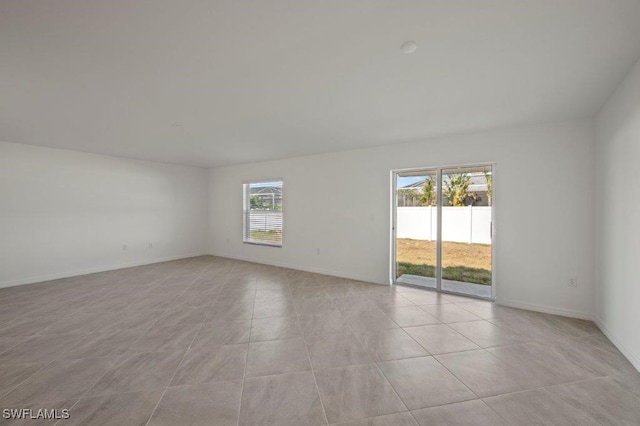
[(460, 261), (464, 229), (263, 213)]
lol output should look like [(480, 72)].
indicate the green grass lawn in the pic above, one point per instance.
[(470, 263), (273, 236), (454, 273)]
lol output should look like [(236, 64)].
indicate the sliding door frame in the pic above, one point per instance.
[(394, 224)]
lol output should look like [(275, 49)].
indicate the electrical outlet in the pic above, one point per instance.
[(573, 282)]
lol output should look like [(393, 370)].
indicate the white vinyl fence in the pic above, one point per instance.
[(459, 224), (265, 220)]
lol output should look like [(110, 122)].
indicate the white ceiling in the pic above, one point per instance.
[(221, 82)]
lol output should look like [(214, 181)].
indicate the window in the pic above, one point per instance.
[(262, 212)]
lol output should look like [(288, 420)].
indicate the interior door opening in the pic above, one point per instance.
[(443, 229)]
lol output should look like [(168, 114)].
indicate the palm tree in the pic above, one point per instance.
[(456, 188), (428, 195), (488, 177)]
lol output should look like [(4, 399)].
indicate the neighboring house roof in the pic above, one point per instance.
[(266, 190), (478, 184)]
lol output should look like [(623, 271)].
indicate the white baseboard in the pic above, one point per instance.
[(68, 274), (545, 309), (633, 358), (305, 268)]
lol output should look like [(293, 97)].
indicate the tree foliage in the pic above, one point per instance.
[(428, 195), (255, 202), (456, 188), (488, 177)]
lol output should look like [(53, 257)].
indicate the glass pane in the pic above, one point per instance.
[(416, 228), (466, 230), (263, 213)]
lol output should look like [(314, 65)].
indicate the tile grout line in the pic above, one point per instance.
[(460, 380), (394, 390), (304, 344), (183, 355), (371, 297), (438, 361), (246, 359), (63, 359), (373, 358), (123, 356)]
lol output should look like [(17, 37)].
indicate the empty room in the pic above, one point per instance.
[(299, 212)]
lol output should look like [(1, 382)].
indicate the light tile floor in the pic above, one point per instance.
[(215, 341)]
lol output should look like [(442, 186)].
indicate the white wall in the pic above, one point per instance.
[(618, 218), (66, 213), (339, 203)]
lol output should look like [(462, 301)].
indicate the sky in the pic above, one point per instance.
[(408, 180)]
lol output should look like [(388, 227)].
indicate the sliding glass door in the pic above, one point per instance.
[(417, 228), (443, 221)]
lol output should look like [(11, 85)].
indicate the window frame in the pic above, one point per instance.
[(246, 196)]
